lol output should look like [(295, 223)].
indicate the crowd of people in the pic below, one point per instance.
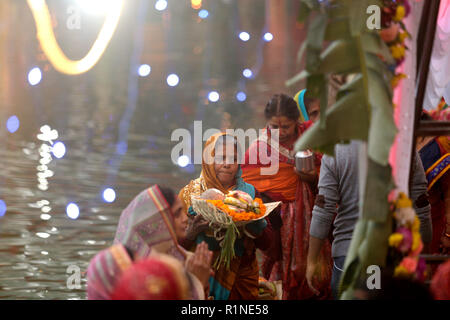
[(163, 249)]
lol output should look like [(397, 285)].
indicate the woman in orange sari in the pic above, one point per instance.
[(241, 280), (286, 259)]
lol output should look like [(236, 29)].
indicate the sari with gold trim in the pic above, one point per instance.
[(435, 157), (146, 227), (286, 259)]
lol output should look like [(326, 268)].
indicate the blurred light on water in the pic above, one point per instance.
[(247, 73), (43, 235), (183, 161), (34, 76), (72, 211), (2, 208), (244, 36), (213, 96), (161, 5), (144, 70), (45, 216), (172, 80), (12, 124), (109, 195), (268, 37), (203, 14), (59, 149), (241, 96)]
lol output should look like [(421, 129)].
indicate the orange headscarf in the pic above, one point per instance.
[(208, 178), (208, 172)]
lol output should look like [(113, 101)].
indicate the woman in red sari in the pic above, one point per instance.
[(286, 259)]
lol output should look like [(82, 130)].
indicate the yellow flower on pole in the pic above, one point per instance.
[(416, 240), (395, 239), (397, 51), (402, 36), (399, 13), (396, 79), (401, 271), (403, 201), (416, 225)]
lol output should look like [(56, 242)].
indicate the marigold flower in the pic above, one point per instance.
[(416, 242), (239, 216), (396, 79), (402, 36), (397, 51), (401, 271), (416, 225), (395, 239), (399, 13)]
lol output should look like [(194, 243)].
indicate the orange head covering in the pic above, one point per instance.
[(208, 178), (208, 172)]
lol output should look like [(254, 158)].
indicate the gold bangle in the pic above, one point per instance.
[(447, 235)]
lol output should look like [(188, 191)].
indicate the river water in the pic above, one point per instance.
[(115, 125)]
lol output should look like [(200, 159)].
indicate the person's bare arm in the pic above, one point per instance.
[(322, 218)]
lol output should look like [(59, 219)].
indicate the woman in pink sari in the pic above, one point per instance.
[(152, 223)]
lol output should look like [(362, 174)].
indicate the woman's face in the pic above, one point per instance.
[(285, 125), (226, 163), (180, 218), (314, 110)]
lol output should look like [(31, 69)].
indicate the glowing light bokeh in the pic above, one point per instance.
[(161, 5), (144, 70), (12, 124), (45, 216), (59, 149), (247, 73), (34, 76), (72, 211), (213, 96), (183, 161), (241, 96), (2, 208), (173, 80), (244, 36), (109, 195), (50, 45), (268, 37), (196, 4), (43, 235), (203, 14)]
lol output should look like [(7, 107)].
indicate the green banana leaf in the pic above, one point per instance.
[(362, 111), (347, 119)]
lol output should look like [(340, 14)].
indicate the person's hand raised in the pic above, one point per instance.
[(200, 263)]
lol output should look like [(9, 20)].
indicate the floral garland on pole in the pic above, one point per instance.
[(394, 33), (406, 242)]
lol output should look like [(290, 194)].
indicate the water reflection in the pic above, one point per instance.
[(38, 241)]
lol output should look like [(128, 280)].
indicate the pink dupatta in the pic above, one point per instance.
[(146, 224)]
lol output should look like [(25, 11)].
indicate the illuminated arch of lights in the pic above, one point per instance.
[(52, 49)]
